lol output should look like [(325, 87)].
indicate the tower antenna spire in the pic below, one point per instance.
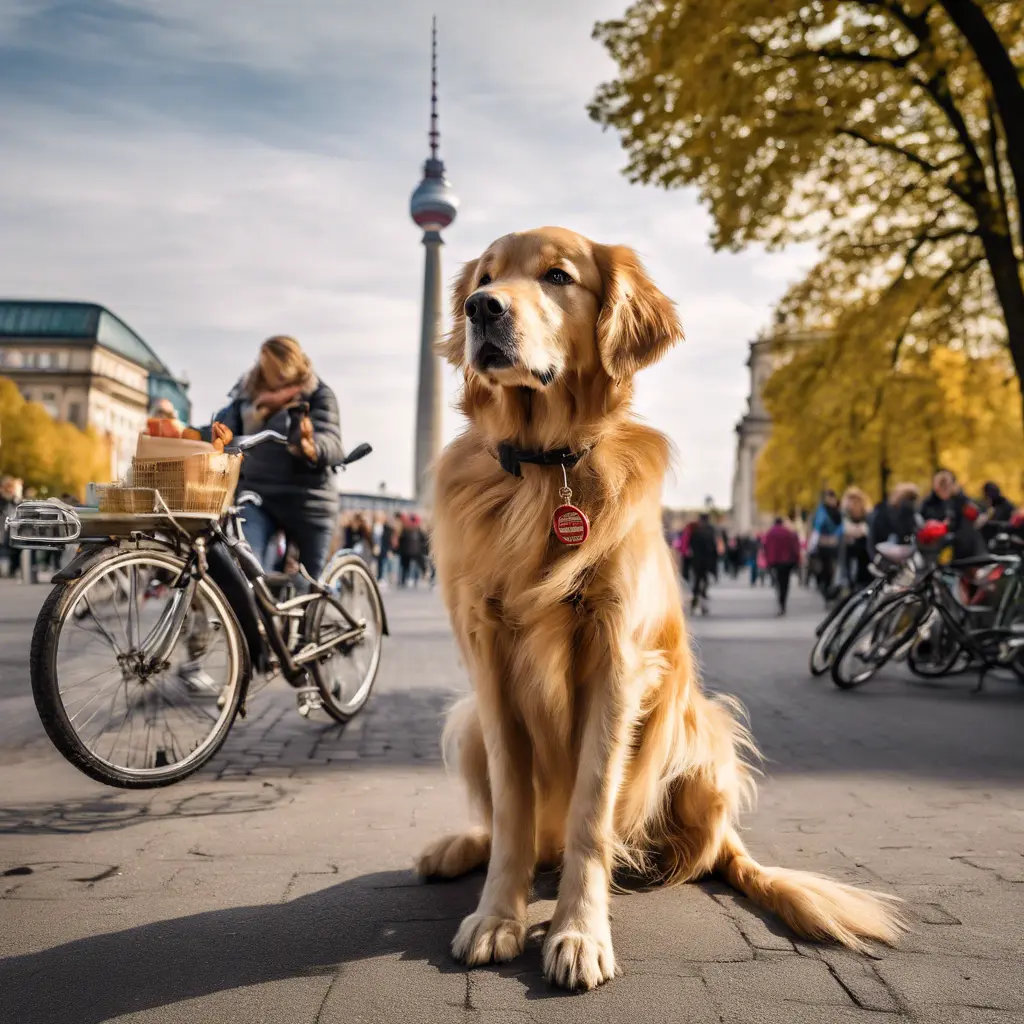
[(435, 135), (433, 206)]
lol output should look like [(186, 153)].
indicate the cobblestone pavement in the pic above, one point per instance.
[(274, 886)]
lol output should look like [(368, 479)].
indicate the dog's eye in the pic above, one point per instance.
[(486, 279), (558, 276)]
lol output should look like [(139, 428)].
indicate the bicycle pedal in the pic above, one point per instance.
[(308, 699)]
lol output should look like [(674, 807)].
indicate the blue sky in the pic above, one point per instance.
[(216, 171)]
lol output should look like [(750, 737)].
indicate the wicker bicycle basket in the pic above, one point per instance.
[(131, 500), (199, 483)]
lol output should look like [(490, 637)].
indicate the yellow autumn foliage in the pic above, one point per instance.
[(54, 457), (843, 417), (888, 133)]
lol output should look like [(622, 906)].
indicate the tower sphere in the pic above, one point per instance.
[(434, 204)]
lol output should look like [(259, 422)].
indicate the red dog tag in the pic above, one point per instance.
[(571, 525)]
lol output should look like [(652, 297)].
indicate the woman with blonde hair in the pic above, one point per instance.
[(855, 508), (281, 392)]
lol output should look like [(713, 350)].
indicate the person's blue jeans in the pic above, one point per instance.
[(312, 536)]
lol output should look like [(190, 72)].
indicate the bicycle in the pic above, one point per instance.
[(894, 626), (893, 566), (146, 594)]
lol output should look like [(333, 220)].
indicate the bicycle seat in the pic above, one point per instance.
[(897, 554)]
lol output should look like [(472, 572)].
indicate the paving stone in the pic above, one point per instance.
[(287, 892), (859, 977), (741, 1009), (954, 981), (787, 979)]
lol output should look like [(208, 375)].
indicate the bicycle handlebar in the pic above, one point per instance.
[(244, 444)]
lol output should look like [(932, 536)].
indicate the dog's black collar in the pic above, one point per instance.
[(512, 458)]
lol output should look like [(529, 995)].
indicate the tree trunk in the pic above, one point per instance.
[(1007, 89), (1002, 262)]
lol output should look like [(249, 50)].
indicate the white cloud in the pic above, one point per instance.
[(211, 210)]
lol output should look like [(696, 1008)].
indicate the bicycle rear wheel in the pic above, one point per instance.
[(346, 674), (936, 652), (118, 720), (877, 639)]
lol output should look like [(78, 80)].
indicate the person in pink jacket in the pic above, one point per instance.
[(782, 553)]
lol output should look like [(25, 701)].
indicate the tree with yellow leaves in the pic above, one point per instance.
[(54, 457), (889, 132), (840, 419)]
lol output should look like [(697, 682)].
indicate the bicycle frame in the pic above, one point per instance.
[(995, 646), (233, 567)]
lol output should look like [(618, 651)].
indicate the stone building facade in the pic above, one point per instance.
[(86, 366), (752, 433)]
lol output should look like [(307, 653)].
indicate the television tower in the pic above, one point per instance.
[(433, 206)]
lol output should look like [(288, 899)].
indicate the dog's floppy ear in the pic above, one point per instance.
[(637, 322), (453, 346)]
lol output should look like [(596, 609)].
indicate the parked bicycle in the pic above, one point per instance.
[(902, 619), (146, 594), (894, 567)]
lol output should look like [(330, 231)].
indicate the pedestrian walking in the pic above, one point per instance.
[(896, 520), (855, 557), (9, 488), (782, 553), (385, 537), (704, 560), (826, 536), (410, 552)]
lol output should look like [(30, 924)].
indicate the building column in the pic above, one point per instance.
[(745, 490), (429, 401)]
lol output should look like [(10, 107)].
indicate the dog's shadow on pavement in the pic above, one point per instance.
[(97, 978)]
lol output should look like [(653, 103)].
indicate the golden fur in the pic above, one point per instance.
[(588, 739)]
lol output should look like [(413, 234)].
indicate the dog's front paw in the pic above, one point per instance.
[(482, 939), (577, 960)]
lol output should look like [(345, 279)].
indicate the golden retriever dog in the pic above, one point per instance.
[(588, 741)]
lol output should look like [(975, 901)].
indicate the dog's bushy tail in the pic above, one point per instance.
[(812, 905)]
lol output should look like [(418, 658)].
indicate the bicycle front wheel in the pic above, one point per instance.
[(835, 630), (119, 719), (877, 639), (345, 676)]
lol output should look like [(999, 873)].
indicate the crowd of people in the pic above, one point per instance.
[(397, 547), (296, 519), (832, 548)]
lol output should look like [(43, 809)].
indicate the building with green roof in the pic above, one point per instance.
[(87, 366)]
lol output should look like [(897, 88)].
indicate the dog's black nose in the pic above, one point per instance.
[(485, 307)]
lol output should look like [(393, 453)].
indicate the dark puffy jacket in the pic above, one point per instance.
[(967, 540), (892, 521), (280, 477), (704, 548)]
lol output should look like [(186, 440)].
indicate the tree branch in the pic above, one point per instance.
[(934, 170), (837, 56), (920, 239), (936, 86), (953, 268)]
